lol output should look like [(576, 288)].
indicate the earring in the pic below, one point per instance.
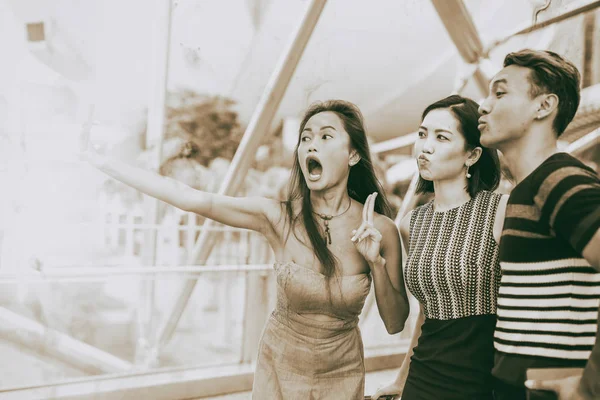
[(468, 174)]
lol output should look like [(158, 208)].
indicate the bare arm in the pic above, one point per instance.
[(378, 241), (416, 334), (403, 373), (248, 213), (591, 252), (397, 387), (390, 292), (499, 221)]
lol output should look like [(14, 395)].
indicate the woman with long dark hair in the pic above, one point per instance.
[(452, 265), (331, 238)]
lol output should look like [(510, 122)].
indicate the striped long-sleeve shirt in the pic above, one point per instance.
[(549, 294)]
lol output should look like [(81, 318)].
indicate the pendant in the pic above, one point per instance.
[(326, 219)]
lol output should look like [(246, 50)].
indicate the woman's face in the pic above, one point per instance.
[(440, 147), (324, 151)]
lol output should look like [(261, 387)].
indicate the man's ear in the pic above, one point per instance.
[(548, 104), (354, 158)]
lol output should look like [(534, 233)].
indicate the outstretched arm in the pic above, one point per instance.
[(241, 212)]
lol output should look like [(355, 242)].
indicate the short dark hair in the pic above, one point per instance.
[(551, 73), (485, 173)]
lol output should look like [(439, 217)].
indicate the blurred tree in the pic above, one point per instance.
[(207, 124)]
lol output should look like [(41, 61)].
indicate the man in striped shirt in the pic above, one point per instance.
[(550, 247)]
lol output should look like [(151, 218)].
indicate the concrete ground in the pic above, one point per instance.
[(372, 381)]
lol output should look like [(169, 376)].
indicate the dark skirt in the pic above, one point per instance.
[(453, 360)]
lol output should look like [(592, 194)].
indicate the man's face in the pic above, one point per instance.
[(509, 110)]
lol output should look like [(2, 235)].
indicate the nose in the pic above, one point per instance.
[(484, 108), (312, 146), (428, 146)]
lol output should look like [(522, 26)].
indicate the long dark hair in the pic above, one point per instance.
[(361, 180), (485, 173)]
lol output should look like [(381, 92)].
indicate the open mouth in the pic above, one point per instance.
[(315, 169)]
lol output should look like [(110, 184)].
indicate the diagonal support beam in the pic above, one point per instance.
[(585, 142), (461, 28), (155, 135), (258, 126), (575, 9), (59, 345)]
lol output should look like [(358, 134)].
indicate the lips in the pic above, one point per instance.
[(482, 124), (314, 168)]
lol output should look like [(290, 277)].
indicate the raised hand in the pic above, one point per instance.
[(367, 239)]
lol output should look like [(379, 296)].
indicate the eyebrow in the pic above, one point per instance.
[(437, 130), (322, 128), (497, 82)]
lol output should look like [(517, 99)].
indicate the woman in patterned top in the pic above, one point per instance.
[(452, 266)]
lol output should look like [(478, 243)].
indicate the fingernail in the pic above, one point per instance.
[(529, 384)]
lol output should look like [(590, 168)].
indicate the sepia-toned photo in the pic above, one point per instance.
[(300, 199)]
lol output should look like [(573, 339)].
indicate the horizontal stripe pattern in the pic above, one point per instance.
[(549, 294), (558, 328), (526, 350), (550, 305)]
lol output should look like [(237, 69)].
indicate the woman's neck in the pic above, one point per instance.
[(332, 201), (450, 194)]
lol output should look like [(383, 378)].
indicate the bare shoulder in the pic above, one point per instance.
[(385, 225), (405, 224)]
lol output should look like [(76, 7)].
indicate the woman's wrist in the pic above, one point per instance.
[(379, 262)]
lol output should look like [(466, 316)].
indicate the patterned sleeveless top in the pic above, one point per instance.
[(453, 267)]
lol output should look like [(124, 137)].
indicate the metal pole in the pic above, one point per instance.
[(259, 125), (461, 28), (395, 143), (581, 7), (584, 142), (409, 201), (53, 343), (154, 135)]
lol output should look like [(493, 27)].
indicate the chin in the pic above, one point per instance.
[(315, 186), (425, 175)]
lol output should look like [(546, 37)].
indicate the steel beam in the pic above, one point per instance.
[(59, 345), (579, 8), (461, 28), (257, 128), (154, 136)]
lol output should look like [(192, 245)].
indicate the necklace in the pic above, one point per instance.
[(326, 218)]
